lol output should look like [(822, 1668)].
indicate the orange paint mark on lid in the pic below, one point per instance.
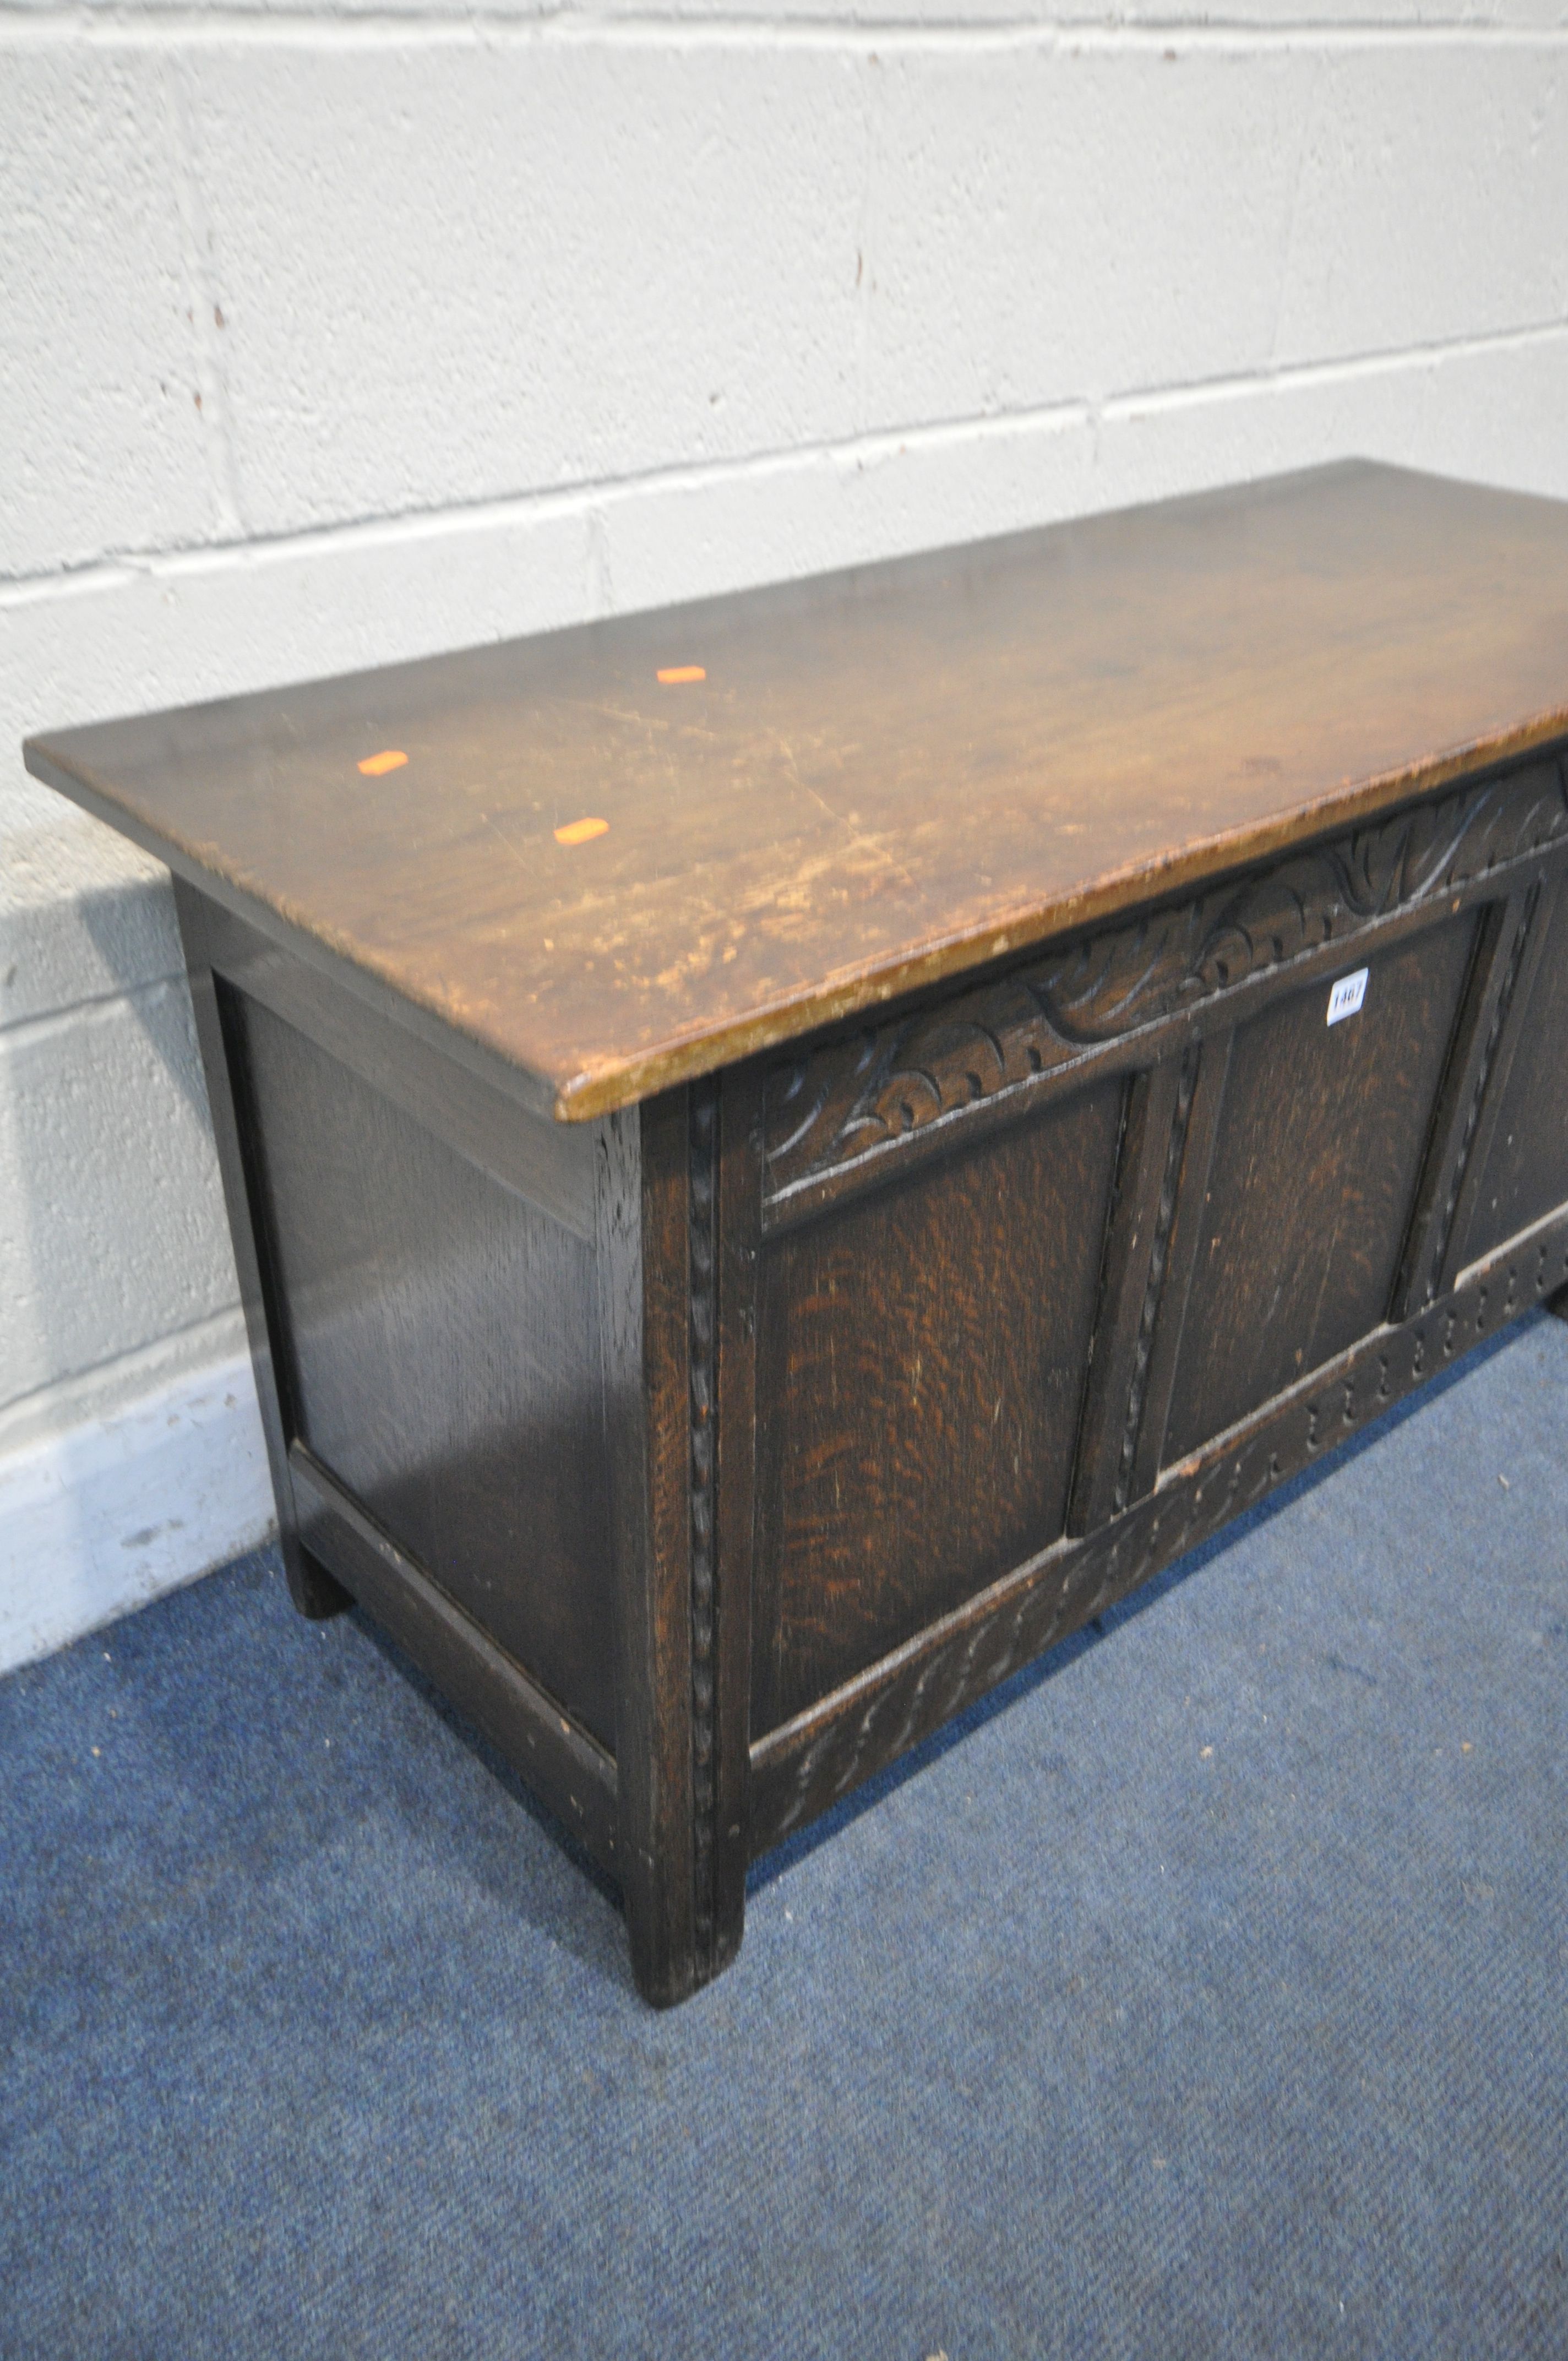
[(578, 831), (675, 675), (376, 767)]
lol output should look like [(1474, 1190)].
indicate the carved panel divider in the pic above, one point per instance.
[(1153, 1284)]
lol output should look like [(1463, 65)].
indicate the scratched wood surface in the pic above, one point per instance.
[(881, 777)]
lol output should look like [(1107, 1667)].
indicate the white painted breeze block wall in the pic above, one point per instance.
[(336, 335)]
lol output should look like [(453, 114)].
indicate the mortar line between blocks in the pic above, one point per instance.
[(183, 27), (121, 568)]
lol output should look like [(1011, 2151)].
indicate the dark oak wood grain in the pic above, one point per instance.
[(1155, 1111), (805, 1766), (646, 1229), (1320, 1144), (1522, 1168), (564, 1763), (551, 1164), (921, 1357), (885, 777), (316, 1592), (978, 1206), (739, 1240), (442, 1358), (1503, 929)]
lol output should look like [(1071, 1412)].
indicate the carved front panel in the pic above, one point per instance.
[(920, 1367), (1526, 1170), (1316, 1158)]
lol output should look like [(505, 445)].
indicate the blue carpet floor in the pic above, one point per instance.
[(1207, 1996)]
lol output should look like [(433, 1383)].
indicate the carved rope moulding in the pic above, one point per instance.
[(858, 1095), (703, 1312)]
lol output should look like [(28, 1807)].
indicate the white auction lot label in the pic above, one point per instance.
[(1347, 996)]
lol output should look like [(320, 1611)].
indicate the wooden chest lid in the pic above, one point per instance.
[(809, 799)]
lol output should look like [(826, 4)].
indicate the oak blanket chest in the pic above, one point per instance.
[(785, 1153)]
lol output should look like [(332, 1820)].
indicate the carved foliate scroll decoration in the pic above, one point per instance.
[(858, 1097), (703, 1330)]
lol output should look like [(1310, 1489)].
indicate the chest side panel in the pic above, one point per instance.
[(439, 1347)]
